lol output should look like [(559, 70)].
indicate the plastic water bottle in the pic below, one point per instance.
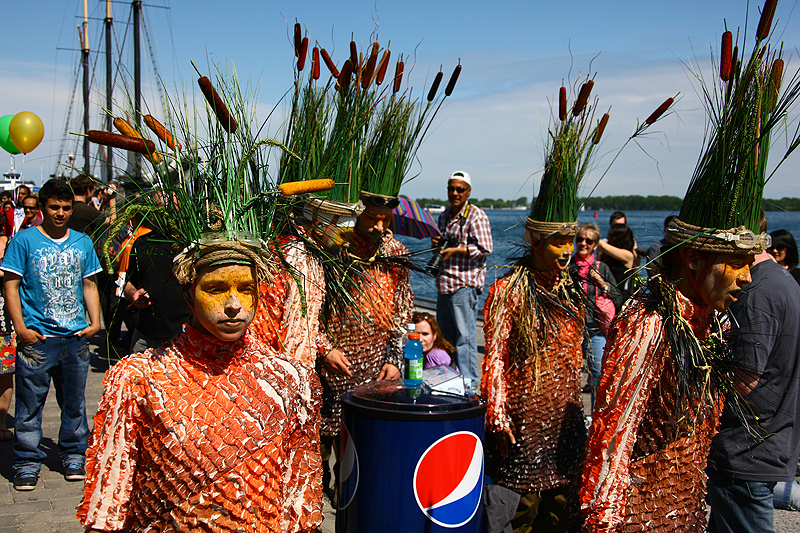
[(410, 328), (412, 357)]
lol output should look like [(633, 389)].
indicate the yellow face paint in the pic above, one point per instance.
[(224, 301), (725, 279), (554, 253)]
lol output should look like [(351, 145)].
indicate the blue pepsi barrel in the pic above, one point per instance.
[(410, 461)]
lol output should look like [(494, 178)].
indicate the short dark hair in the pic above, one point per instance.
[(81, 184), (55, 188), (616, 215), (8, 203), (7, 193), (23, 186)]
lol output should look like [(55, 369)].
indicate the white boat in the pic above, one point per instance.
[(434, 209)]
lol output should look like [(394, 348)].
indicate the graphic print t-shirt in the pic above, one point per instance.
[(51, 290)]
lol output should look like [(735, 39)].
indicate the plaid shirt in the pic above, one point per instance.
[(474, 233)]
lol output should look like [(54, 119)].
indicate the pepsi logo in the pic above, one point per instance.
[(348, 470), (448, 479)]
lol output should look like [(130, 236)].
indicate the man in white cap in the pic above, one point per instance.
[(462, 274)]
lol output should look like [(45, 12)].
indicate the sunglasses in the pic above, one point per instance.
[(380, 201), (584, 239), (418, 317), (459, 190)]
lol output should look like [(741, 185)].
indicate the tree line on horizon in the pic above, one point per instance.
[(612, 203)]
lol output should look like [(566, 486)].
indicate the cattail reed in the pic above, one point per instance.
[(344, 77), (315, 63), (776, 77), (600, 128), (660, 111), (435, 87), (353, 53), (765, 22), (453, 79), (366, 76), (562, 104), (398, 76), (298, 38), (331, 66), (726, 57), (382, 67), (583, 98), (301, 59)]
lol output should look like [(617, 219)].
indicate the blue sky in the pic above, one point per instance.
[(515, 55)]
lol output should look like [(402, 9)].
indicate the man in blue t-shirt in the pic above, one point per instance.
[(49, 274)]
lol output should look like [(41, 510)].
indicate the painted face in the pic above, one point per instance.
[(554, 254), (725, 279), (224, 300), (373, 222), (458, 193), (57, 212), (426, 335), (585, 244)]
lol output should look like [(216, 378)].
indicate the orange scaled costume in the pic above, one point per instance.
[(288, 317), (386, 305), (645, 461), (537, 395), (205, 435)]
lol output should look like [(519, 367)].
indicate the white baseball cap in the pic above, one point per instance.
[(461, 175)]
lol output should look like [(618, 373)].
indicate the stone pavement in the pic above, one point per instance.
[(50, 508)]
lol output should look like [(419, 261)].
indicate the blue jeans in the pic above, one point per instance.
[(65, 360), (593, 355), (739, 506), (786, 495), (457, 315)]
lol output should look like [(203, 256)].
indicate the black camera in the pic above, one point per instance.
[(447, 241)]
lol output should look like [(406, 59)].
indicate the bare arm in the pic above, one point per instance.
[(14, 306), (91, 299), (620, 254)]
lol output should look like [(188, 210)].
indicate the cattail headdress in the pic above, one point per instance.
[(721, 209), (212, 197)]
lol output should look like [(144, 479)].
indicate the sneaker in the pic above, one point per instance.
[(74, 472), (25, 481)]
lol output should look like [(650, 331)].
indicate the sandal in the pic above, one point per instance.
[(6, 434)]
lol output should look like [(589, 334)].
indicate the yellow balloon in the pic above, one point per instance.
[(26, 131)]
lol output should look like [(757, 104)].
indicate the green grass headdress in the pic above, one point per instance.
[(745, 105)]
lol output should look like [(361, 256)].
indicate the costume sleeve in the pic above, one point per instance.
[(112, 457), (403, 313), (497, 325), (631, 367), (479, 240), (299, 327), (302, 505)]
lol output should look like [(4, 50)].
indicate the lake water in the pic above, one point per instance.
[(507, 225)]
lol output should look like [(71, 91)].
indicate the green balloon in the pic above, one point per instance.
[(5, 140)]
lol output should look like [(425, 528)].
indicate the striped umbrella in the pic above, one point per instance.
[(411, 220)]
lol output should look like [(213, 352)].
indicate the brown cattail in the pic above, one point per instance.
[(765, 22), (776, 77), (298, 39), (369, 69), (600, 128), (726, 56), (453, 79), (382, 67), (660, 111), (344, 77), (353, 53), (398, 75), (315, 63), (330, 64), (583, 98), (301, 59), (562, 103), (435, 87)]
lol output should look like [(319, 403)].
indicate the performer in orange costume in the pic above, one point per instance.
[(213, 421)]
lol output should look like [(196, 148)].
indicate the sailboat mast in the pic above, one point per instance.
[(137, 80), (109, 91), (85, 65)]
